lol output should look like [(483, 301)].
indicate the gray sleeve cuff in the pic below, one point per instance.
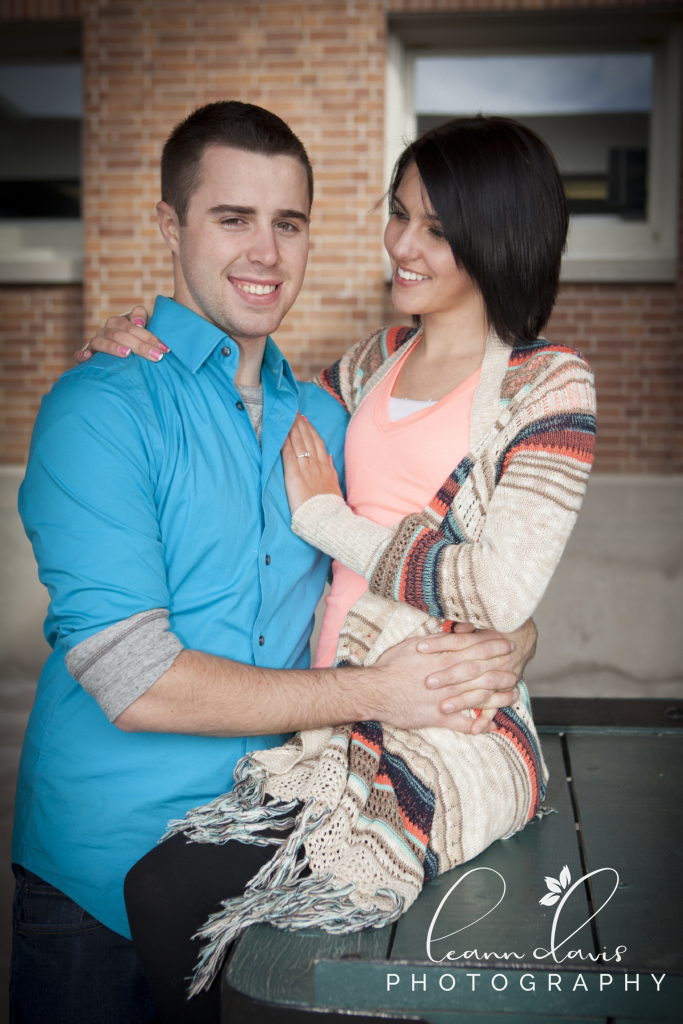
[(118, 664)]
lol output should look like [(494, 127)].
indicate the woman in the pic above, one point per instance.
[(467, 457)]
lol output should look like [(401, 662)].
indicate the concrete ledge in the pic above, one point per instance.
[(619, 270), (57, 271), (609, 624)]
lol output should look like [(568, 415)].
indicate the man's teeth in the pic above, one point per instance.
[(408, 275), (258, 289)]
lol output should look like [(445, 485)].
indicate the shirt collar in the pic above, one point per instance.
[(281, 371), (192, 339), (189, 336)]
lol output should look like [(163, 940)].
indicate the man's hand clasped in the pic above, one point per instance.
[(467, 670)]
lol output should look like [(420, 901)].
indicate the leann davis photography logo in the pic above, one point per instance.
[(559, 951)]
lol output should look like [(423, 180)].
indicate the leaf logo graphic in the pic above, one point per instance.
[(556, 887)]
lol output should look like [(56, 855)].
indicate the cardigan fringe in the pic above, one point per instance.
[(280, 896)]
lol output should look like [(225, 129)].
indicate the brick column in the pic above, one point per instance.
[(320, 66), (40, 325)]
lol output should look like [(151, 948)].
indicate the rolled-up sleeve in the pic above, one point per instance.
[(88, 507), (119, 664)]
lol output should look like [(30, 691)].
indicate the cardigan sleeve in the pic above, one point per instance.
[(497, 580), (327, 522)]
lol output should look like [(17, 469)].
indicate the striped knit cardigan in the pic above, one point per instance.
[(380, 811)]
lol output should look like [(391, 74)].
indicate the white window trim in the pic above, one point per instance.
[(400, 122), (41, 251), (600, 248)]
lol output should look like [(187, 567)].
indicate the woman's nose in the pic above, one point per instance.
[(405, 245)]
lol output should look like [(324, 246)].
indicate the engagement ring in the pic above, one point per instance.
[(306, 455)]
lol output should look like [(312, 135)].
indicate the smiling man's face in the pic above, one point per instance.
[(241, 255)]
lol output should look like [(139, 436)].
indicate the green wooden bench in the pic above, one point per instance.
[(616, 787)]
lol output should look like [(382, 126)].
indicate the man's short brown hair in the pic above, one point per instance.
[(227, 123)]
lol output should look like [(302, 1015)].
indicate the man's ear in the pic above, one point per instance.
[(169, 226)]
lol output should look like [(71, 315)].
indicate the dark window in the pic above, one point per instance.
[(40, 120), (593, 110)]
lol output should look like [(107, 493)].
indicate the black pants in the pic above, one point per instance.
[(169, 895)]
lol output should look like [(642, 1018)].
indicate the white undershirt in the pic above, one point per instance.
[(399, 408)]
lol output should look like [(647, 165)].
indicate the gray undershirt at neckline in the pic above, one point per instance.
[(253, 400)]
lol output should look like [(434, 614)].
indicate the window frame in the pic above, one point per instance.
[(600, 247), (33, 250)]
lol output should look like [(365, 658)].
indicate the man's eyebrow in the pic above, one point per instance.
[(250, 211), (246, 211), (292, 215)]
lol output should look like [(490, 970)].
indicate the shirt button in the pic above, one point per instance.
[(267, 559), (240, 406), (225, 351), (261, 640)]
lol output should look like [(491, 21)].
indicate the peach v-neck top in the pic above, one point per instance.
[(392, 470)]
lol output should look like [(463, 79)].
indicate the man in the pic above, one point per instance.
[(181, 601)]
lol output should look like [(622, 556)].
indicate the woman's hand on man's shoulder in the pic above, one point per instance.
[(122, 335)]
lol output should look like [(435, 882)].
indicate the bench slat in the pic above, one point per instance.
[(277, 966), (629, 795)]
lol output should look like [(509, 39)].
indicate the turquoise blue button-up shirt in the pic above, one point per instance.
[(146, 488)]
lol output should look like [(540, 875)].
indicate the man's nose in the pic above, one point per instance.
[(264, 248)]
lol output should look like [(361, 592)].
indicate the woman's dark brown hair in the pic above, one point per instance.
[(497, 191)]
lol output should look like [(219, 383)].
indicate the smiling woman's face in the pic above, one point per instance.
[(426, 277)]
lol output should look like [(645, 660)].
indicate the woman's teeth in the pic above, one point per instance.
[(257, 289), (408, 275)]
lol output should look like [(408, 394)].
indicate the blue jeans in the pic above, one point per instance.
[(67, 968)]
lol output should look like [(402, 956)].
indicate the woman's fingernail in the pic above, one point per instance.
[(139, 322), (422, 647), (448, 708), (156, 355), (433, 682), (164, 348), (123, 351), (515, 694)]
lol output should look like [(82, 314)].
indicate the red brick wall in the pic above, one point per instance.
[(628, 334), (320, 65), (39, 330)]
